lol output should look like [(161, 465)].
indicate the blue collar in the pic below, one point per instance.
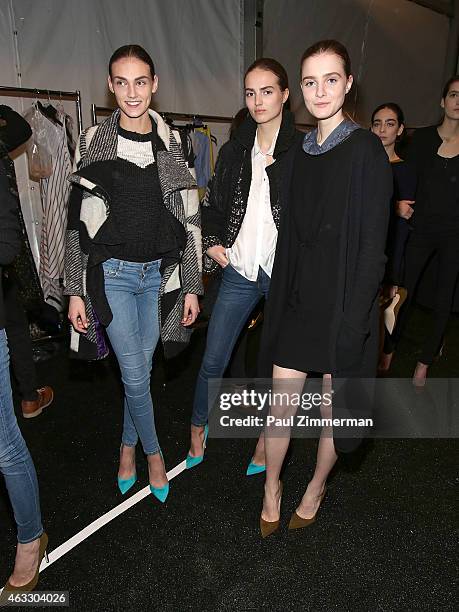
[(340, 133)]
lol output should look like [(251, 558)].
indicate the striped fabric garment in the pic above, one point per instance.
[(54, 197)]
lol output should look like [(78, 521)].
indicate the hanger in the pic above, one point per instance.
[(49, 111)]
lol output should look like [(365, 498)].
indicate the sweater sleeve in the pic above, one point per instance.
[(213, 211), (377, 193)]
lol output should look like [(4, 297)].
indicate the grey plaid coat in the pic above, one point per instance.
[(89, 208)]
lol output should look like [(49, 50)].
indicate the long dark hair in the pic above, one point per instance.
[(131, 51), (394, 107), (238, 118)]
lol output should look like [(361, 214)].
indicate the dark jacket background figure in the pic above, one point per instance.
[(14, 132), (367, 184), (10, 232), (422, 148), (225, 201)]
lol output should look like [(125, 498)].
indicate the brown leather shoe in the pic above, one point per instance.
[(33, 408)]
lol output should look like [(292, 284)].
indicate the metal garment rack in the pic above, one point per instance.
[(30, 92), (103, 110)]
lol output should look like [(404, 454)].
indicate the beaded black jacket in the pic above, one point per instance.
[(225, 201)]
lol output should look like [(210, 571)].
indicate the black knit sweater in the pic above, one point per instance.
[(137, 208)]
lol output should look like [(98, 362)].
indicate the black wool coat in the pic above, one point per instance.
[(367, 186)]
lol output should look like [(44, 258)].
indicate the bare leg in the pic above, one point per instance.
[(197, 440), (285, 381), (156, 470), (326, 459), (420, 374), (127, 462), (259, 454)]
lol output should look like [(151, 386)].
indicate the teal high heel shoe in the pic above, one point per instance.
[(160, 493), (253, 469), (192, 462), (125, 484)]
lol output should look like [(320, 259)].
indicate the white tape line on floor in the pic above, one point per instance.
[(82, 535)]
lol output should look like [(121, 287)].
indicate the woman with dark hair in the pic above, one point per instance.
[(240, 223), (434, 155), (133, 257), (388, 123), (322, 313)]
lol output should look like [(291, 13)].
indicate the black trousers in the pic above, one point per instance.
[(417, 255), (19, 342)]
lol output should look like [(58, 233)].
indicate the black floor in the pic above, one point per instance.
[(384, 538)]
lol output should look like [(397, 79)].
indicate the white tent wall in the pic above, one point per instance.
[(397, 49), (197, 48)]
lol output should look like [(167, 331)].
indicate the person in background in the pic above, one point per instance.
[(16, 464), (434, 155), (388, 123), (15, 131)]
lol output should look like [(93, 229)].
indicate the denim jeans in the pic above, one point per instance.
[(16, 463), (236, 300), (132, 292)]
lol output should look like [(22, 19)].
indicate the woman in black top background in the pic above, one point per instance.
[(388, 123), (322, 312), (434, 154)]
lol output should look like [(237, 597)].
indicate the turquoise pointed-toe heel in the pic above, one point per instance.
[(160, 493), (253, 469), (192, 462), (125, 484)]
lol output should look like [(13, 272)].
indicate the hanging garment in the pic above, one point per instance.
[(54, 195), (204, 160), (57, 115)]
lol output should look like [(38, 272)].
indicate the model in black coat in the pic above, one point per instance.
[(344, 193), (366, 182)]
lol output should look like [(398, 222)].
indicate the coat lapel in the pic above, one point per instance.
[(104, 144), (173, 175)]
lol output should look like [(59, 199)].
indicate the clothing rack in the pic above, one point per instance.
[(104, 110), (30, 92)]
